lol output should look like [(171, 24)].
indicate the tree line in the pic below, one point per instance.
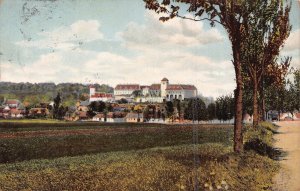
[(257, 31), (31, 94)]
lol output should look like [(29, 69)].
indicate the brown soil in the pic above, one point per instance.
[(104, 131), (288, 179)]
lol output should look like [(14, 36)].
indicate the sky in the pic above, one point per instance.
[(119, 41)]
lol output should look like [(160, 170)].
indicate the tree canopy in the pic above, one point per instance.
[(234, 16)]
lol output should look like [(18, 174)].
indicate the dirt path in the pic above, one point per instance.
[(288, 178)]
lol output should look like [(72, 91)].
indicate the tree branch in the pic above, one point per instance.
[(193, 19)]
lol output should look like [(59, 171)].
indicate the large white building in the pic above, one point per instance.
[(100, 96), (125, 89), (156, 92)]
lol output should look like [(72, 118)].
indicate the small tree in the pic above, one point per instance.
[(146, 113), (211, 110), (57, 102), (177, 105), (169, 109), (202, 111)]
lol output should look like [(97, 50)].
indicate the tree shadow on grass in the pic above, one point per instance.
[(264, 149)]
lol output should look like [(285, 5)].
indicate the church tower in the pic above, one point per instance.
[(163, 86), (92, 90)]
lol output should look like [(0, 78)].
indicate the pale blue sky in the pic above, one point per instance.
[(115, 42)]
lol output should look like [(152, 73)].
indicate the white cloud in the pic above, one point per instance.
[(210, 77), (163, 51), (293, 42), (175, 32), (66, 37)]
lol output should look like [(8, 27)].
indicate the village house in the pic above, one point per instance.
[(12, 103), (12, 108), (82, 115), (110, 117), (82, 105), (134, 117), (38, 112), (99, 117), (16, 113), (247, 118)]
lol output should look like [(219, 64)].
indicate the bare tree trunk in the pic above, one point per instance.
[(263, 103), (238, 136), (263, 107), (255, 102)]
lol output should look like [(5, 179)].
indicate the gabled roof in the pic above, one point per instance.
[(82, 114), (99, 115), (127, 87), (188, 87), (133, 115), (15, 111), (155, 87), (102, 95), (110, 115), (12, 101), (84, 103), (143, 87), (181, 87)]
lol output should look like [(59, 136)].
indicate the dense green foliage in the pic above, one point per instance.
[(196, 110), (35, 93), (225, 107)]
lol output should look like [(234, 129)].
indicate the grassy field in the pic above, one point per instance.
[(92, 156)]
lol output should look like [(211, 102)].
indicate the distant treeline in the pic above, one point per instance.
[(45, 92)]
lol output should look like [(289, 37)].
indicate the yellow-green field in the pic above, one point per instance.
[(129, 157)]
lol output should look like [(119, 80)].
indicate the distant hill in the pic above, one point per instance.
[(40, 92)]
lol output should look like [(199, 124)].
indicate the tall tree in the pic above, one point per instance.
[(292, 96), (266, 31), (233, 16)]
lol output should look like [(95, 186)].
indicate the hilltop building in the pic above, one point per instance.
[(156, 92)]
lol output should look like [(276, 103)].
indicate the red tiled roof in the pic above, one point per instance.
[(155, 87), (110, 115), (119, 114), (142, 87), (127, 87), (181, 87), (98, 95), (15, 111), (188, 87), (174, 87), (99, 115), (133, 115), (82, 114), (12, 101)]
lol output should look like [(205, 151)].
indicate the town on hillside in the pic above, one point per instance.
[(156, 103)]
